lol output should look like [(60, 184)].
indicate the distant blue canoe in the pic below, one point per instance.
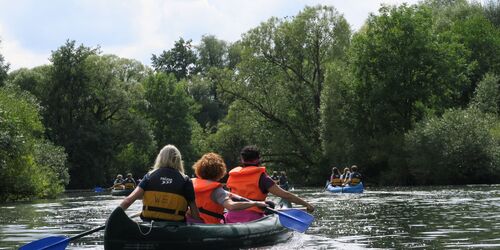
[(348, 189)]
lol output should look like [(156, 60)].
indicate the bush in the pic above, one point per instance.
[(30, 166), (458, 148)]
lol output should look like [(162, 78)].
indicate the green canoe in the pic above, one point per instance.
[(124, 233)]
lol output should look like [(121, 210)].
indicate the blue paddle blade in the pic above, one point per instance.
[(295, 219), (49, 243), (98, 189)]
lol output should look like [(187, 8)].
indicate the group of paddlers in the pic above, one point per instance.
[(169, 195), (350, 177), (281, 179), (120, 183)]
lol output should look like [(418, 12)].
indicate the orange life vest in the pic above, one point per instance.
[(244, 181), (210, 212)]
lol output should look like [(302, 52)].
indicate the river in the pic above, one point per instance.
[(384, 218)]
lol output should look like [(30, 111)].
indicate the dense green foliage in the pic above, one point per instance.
[(411, 98), (29, 164), (456, 148)]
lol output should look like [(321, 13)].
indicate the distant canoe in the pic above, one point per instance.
[(121, 192), (347, 189)]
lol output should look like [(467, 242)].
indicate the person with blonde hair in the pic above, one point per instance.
[(211, 198), (165, 190)]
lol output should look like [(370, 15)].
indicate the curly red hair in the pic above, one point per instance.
[(210, 166)]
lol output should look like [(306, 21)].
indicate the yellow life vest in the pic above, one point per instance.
[(336, 181), (164, 206)]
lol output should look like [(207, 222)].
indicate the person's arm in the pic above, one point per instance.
[(231, 205), (276, 190), (129, 200), (195, 213)]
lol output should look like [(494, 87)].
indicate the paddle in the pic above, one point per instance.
[(294, 219), (59, 242), (326, 185)]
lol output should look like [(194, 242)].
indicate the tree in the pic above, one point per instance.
[(30, 165), (170, 112), (4, 68), (457, 148), (487, 95), (212, 53), (180, 60), (280, 79), (92, 107), (492, 12), (403, 70)]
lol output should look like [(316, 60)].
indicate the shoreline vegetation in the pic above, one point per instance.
[(412, 98)]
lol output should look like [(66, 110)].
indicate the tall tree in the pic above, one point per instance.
[(212, 53), (402, 70), (280, 80), (30, 165), (91, 107), (170, 111), (180, 60)]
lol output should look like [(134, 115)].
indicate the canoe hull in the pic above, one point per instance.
[(123, 233), (349, 189), (121, 192)]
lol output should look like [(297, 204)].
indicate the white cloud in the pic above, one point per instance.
[(18, 56), (156, 24)]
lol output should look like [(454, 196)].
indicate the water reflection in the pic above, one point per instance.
[(444, 217)]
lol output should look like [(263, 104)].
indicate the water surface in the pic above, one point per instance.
[(383, 218)]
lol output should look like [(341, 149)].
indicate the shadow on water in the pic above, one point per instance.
[(384, 218)]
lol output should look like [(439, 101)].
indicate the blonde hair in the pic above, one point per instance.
[(169, 157), (210, 166)]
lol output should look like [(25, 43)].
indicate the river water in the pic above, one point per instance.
[(383, 218)]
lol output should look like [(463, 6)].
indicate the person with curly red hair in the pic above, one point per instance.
[(210, 197)]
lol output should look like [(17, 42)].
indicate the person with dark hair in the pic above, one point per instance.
[(211, 198), (251, 181), (275, 177), (129, 182), (335, 179), (283, 181), (354, 177)]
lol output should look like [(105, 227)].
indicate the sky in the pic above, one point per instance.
[(31, 29)]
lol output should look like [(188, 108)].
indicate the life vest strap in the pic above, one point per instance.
[(164, 210), (213, 214)]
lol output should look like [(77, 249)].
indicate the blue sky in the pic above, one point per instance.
[(31, 29)]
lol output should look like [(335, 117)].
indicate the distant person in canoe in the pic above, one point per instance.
[(129, 182), (118, 183), (211, 198), (251, 181), (354, 177), (165, 190), (335, 179), (283, 182), (275, 177), (345, 176)]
